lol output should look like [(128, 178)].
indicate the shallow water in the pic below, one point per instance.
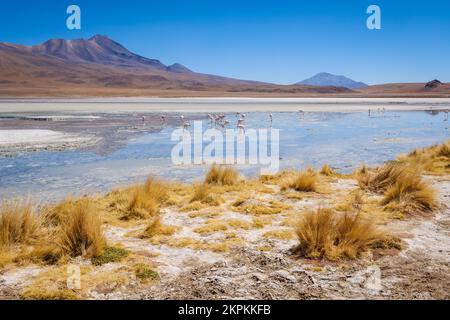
[(343, 140)]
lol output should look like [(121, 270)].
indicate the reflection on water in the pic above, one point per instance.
[(343, 140)]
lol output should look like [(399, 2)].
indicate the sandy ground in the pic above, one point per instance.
[(205, 105)]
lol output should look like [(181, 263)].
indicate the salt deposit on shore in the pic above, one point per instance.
[(205, 105), (13, 141)]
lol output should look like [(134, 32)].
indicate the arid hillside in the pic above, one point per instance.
[(100, 66)]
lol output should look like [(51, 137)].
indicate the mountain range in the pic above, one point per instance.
[(99, 66)]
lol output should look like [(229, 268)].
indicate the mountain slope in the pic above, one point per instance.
[(101, 66), (98, 49), (328, 79)]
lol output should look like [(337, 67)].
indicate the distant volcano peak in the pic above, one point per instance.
[(327, 79)]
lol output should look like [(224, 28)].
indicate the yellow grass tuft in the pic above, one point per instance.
[(326, 170), (211, 227), (305, 181), (352, 202), (156, 189), (222, 175), (141, 205), (18, 223), (256, 207), (203, 194), (433, 160), (194, 206), (81, 231), (184, 242), (157, 228), (52, 215), (382, 178), (261, 222), (239, 224), (51, 285), (281, 234), (47, 253), (444, 150), (410, 195), (328, 234)]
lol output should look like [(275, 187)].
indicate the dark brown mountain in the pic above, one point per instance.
[(433, 84)]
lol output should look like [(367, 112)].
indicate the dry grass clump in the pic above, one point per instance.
[(19, 224), (211, 226), (352, 202), (326, 170), (52, 215), (433, 160), (141, 201), (410, 195), (47, 253), (141, 205), (203, 194), (281, 234), (239, 224), (382, 178), (222, 175), (156, 228), (305, 181), (444, 150), (261, 222), (259, 207), (402, 186), (51, 285), (328, 234), (184, 242), (80, 232), (156, 189)]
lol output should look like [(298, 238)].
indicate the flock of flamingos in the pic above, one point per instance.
[(219, 120)]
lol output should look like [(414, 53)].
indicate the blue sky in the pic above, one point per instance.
[(274, 41)]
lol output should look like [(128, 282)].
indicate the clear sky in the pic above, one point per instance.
[(275, 41)]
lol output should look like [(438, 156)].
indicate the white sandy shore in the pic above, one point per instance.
[(204, 105), (12, 141), (32, 136)]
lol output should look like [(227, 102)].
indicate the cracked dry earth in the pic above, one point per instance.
[(263, 266)]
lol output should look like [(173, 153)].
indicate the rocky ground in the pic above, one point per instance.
[(222, 253)]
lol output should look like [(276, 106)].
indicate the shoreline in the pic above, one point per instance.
[(226, 104)]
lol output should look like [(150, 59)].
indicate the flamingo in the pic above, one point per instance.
[(163, 119), (184, 123)]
